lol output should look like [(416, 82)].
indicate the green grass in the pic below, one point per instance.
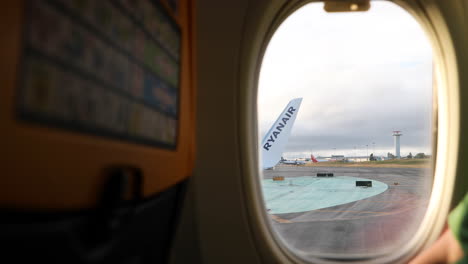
[(381, 163), (400, 162)]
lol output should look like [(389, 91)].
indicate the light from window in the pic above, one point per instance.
[(353, 175)]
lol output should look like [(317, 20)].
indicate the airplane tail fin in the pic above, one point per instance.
[(277, 137), (313, 158)]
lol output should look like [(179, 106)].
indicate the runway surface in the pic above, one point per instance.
[(369, 226)]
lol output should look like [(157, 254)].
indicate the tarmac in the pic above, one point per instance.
[(306, 193), (366, 226)]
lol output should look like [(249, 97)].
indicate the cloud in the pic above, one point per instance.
[(362, 75)]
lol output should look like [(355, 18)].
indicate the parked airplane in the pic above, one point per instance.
[(292, 162), (277, 137), (315, 160)]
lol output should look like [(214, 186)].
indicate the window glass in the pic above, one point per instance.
[(345, 121)]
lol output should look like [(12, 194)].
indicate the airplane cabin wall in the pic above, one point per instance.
[(224, 237), (219, 203), (227, 46), (455, 14)]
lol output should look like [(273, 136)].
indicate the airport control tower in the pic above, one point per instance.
[(397, 135)]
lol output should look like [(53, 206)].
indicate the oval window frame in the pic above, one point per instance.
[(257, 36)]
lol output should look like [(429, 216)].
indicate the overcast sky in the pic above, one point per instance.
[(361, 75)]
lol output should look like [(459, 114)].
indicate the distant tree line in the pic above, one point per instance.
[(420, 155)]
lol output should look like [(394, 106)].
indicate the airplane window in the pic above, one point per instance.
[(345, 118)]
